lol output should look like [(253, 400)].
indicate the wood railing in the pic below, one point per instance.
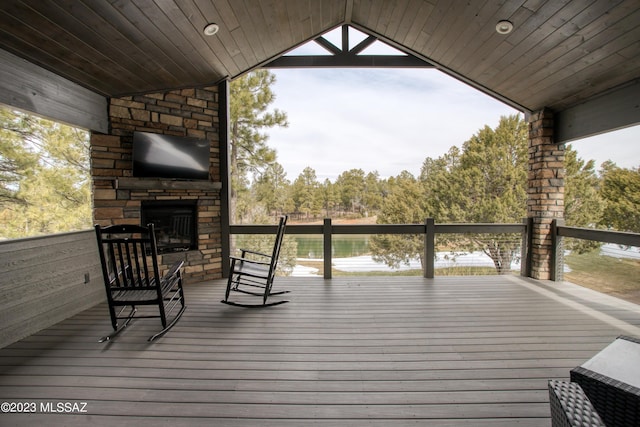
[(559, 231), (429, 229)]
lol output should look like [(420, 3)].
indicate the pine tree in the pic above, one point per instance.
[(489, 186), (305, 193), (273, 190), (352, 188), (45, 181), (250, 98), (583, 205), (621, 190), (17, 161), (404, 204)]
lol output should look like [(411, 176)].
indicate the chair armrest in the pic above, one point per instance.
[(251, 261), (175, 268), (247, 251)]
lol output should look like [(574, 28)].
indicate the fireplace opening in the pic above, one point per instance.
[(175, 223)]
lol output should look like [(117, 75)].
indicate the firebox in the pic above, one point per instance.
[(175, 222)]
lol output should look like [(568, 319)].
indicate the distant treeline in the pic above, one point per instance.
[(484, 181)]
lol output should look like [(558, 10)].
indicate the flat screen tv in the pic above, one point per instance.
[(172, 157)]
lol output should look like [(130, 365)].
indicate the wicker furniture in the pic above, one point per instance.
[(570, 407), (611, 381)]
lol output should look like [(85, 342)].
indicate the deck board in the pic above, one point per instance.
[(373, 351)]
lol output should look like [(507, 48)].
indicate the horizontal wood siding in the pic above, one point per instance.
[(374, 351), (26, 86), (42, 282), (615, 110)]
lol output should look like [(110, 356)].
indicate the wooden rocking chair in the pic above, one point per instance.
[(246, 274), (129, 259)]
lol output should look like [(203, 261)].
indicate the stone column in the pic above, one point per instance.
[(545, 190)]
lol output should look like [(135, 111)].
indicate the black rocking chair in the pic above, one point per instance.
[(247, 274), (129, 260)]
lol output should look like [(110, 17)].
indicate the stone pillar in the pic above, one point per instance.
[(545, 190)]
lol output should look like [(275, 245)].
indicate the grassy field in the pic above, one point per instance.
[(616, 276)]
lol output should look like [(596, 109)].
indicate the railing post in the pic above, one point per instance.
[(225, 176), (525, 255), (326, 231), (557, 252), (429, 248)]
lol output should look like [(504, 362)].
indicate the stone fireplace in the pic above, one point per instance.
[(186, 213)]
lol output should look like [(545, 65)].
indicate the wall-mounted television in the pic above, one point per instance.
[(172, 157)]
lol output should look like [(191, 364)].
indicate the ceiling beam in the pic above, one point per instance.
[(345, 57), (363, 45), (613, 110), (356, 61), (330, 47), (28, 87)]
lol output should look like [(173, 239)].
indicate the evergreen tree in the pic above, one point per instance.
[(329, 198), (306, 197), (351, 185), (583, 205), (582, 202), (438, 178), (621, 190), (372, 197), (485, 183), (17, 160), (273, 190), (404, 204), (489, 186), (492, 175), (45, 177), (250, 98)]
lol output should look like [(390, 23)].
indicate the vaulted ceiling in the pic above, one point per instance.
[(560, 52)]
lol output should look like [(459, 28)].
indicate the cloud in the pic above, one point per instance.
[(385, 120)]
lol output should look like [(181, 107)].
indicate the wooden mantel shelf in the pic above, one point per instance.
[(165, 184)]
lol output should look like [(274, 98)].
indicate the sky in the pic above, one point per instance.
[(390, 120)]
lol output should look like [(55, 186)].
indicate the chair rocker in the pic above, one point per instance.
[(129, 259), (254, 275)]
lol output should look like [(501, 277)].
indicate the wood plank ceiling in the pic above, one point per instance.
[(561, 52)]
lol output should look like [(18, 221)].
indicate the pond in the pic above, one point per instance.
[(342, 246), (351, 253)]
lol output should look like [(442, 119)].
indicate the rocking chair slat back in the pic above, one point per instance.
[(129, 260), (256, 270)]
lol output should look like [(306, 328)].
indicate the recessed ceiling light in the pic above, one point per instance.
[(211, 29), (504, 27)]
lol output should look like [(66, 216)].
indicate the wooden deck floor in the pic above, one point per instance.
[(369, 351)]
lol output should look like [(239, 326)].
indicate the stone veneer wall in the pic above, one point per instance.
[(545, 188), (187, 112)]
